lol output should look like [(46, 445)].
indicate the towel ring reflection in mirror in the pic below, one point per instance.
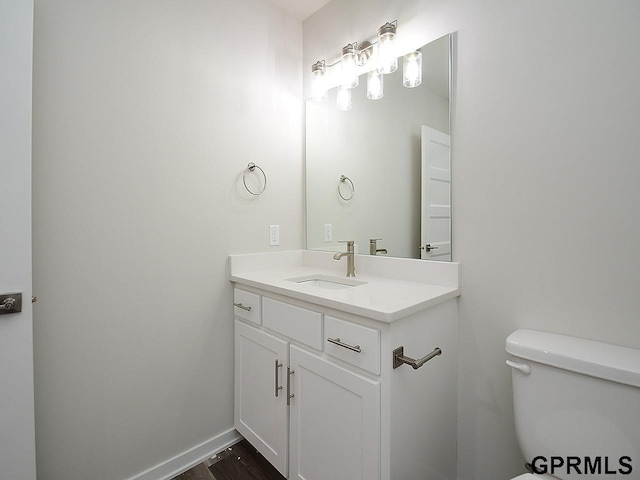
[(343, 181), (251, 167)]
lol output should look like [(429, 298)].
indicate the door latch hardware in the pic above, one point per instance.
[(10, 303)]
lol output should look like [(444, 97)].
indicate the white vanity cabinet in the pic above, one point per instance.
[(334, 421), (334, 413), (261, 413), (316, 392)]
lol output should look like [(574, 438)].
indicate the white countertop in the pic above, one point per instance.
[(395, 287)]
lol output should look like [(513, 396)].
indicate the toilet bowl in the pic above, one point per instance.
[(576, 405)]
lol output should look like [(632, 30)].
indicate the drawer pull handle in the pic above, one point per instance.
[(278, 387), (355, 348), (240, 305), (399, 359)]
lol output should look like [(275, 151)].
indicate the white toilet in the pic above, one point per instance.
[(576, 406)]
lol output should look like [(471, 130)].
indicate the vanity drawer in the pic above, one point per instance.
[(247, 305), (342, 339), (295, 322)]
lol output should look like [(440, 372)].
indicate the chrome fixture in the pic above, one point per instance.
[(344, 180), (373, 58), (289, 394), (373, 247), (350, 257), (336, 341), (244, 307), (399, 358), (251, 168), (278, 387)]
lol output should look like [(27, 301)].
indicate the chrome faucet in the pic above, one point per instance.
[(373, 247), (351, 270)]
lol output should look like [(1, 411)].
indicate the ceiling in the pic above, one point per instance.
[(300, 9)]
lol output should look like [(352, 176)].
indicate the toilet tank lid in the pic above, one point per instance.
[(601, 360)]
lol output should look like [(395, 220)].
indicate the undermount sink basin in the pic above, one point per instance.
[(327, 282)]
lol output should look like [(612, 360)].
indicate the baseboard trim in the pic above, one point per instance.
[(190, 458)]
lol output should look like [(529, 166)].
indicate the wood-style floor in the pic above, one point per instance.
[(238, 462)]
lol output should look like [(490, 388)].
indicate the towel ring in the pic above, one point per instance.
[(344, 179), (251, 167)]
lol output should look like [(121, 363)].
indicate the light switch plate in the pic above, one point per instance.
[(274, 235), (328, 232)]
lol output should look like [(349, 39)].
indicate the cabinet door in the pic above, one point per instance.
[(335, 421), (260, 410)]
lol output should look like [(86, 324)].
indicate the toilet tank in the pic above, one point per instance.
[(576, 405)]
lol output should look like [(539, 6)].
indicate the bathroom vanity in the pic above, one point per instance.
[(316, 391)]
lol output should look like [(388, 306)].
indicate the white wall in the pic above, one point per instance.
[(546, 211), (145, 115)]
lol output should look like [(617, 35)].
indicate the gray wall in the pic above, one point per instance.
[(546, 211), (145, 115)]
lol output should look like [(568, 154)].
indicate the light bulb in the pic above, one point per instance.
[(349, 64), (318, 81), (387, 48), (343, 100), (375, 85), (412, 69)]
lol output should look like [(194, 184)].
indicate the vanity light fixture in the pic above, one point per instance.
[(355, 60), (412, 69)]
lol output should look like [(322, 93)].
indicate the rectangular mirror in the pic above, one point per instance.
[(381, 170)]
